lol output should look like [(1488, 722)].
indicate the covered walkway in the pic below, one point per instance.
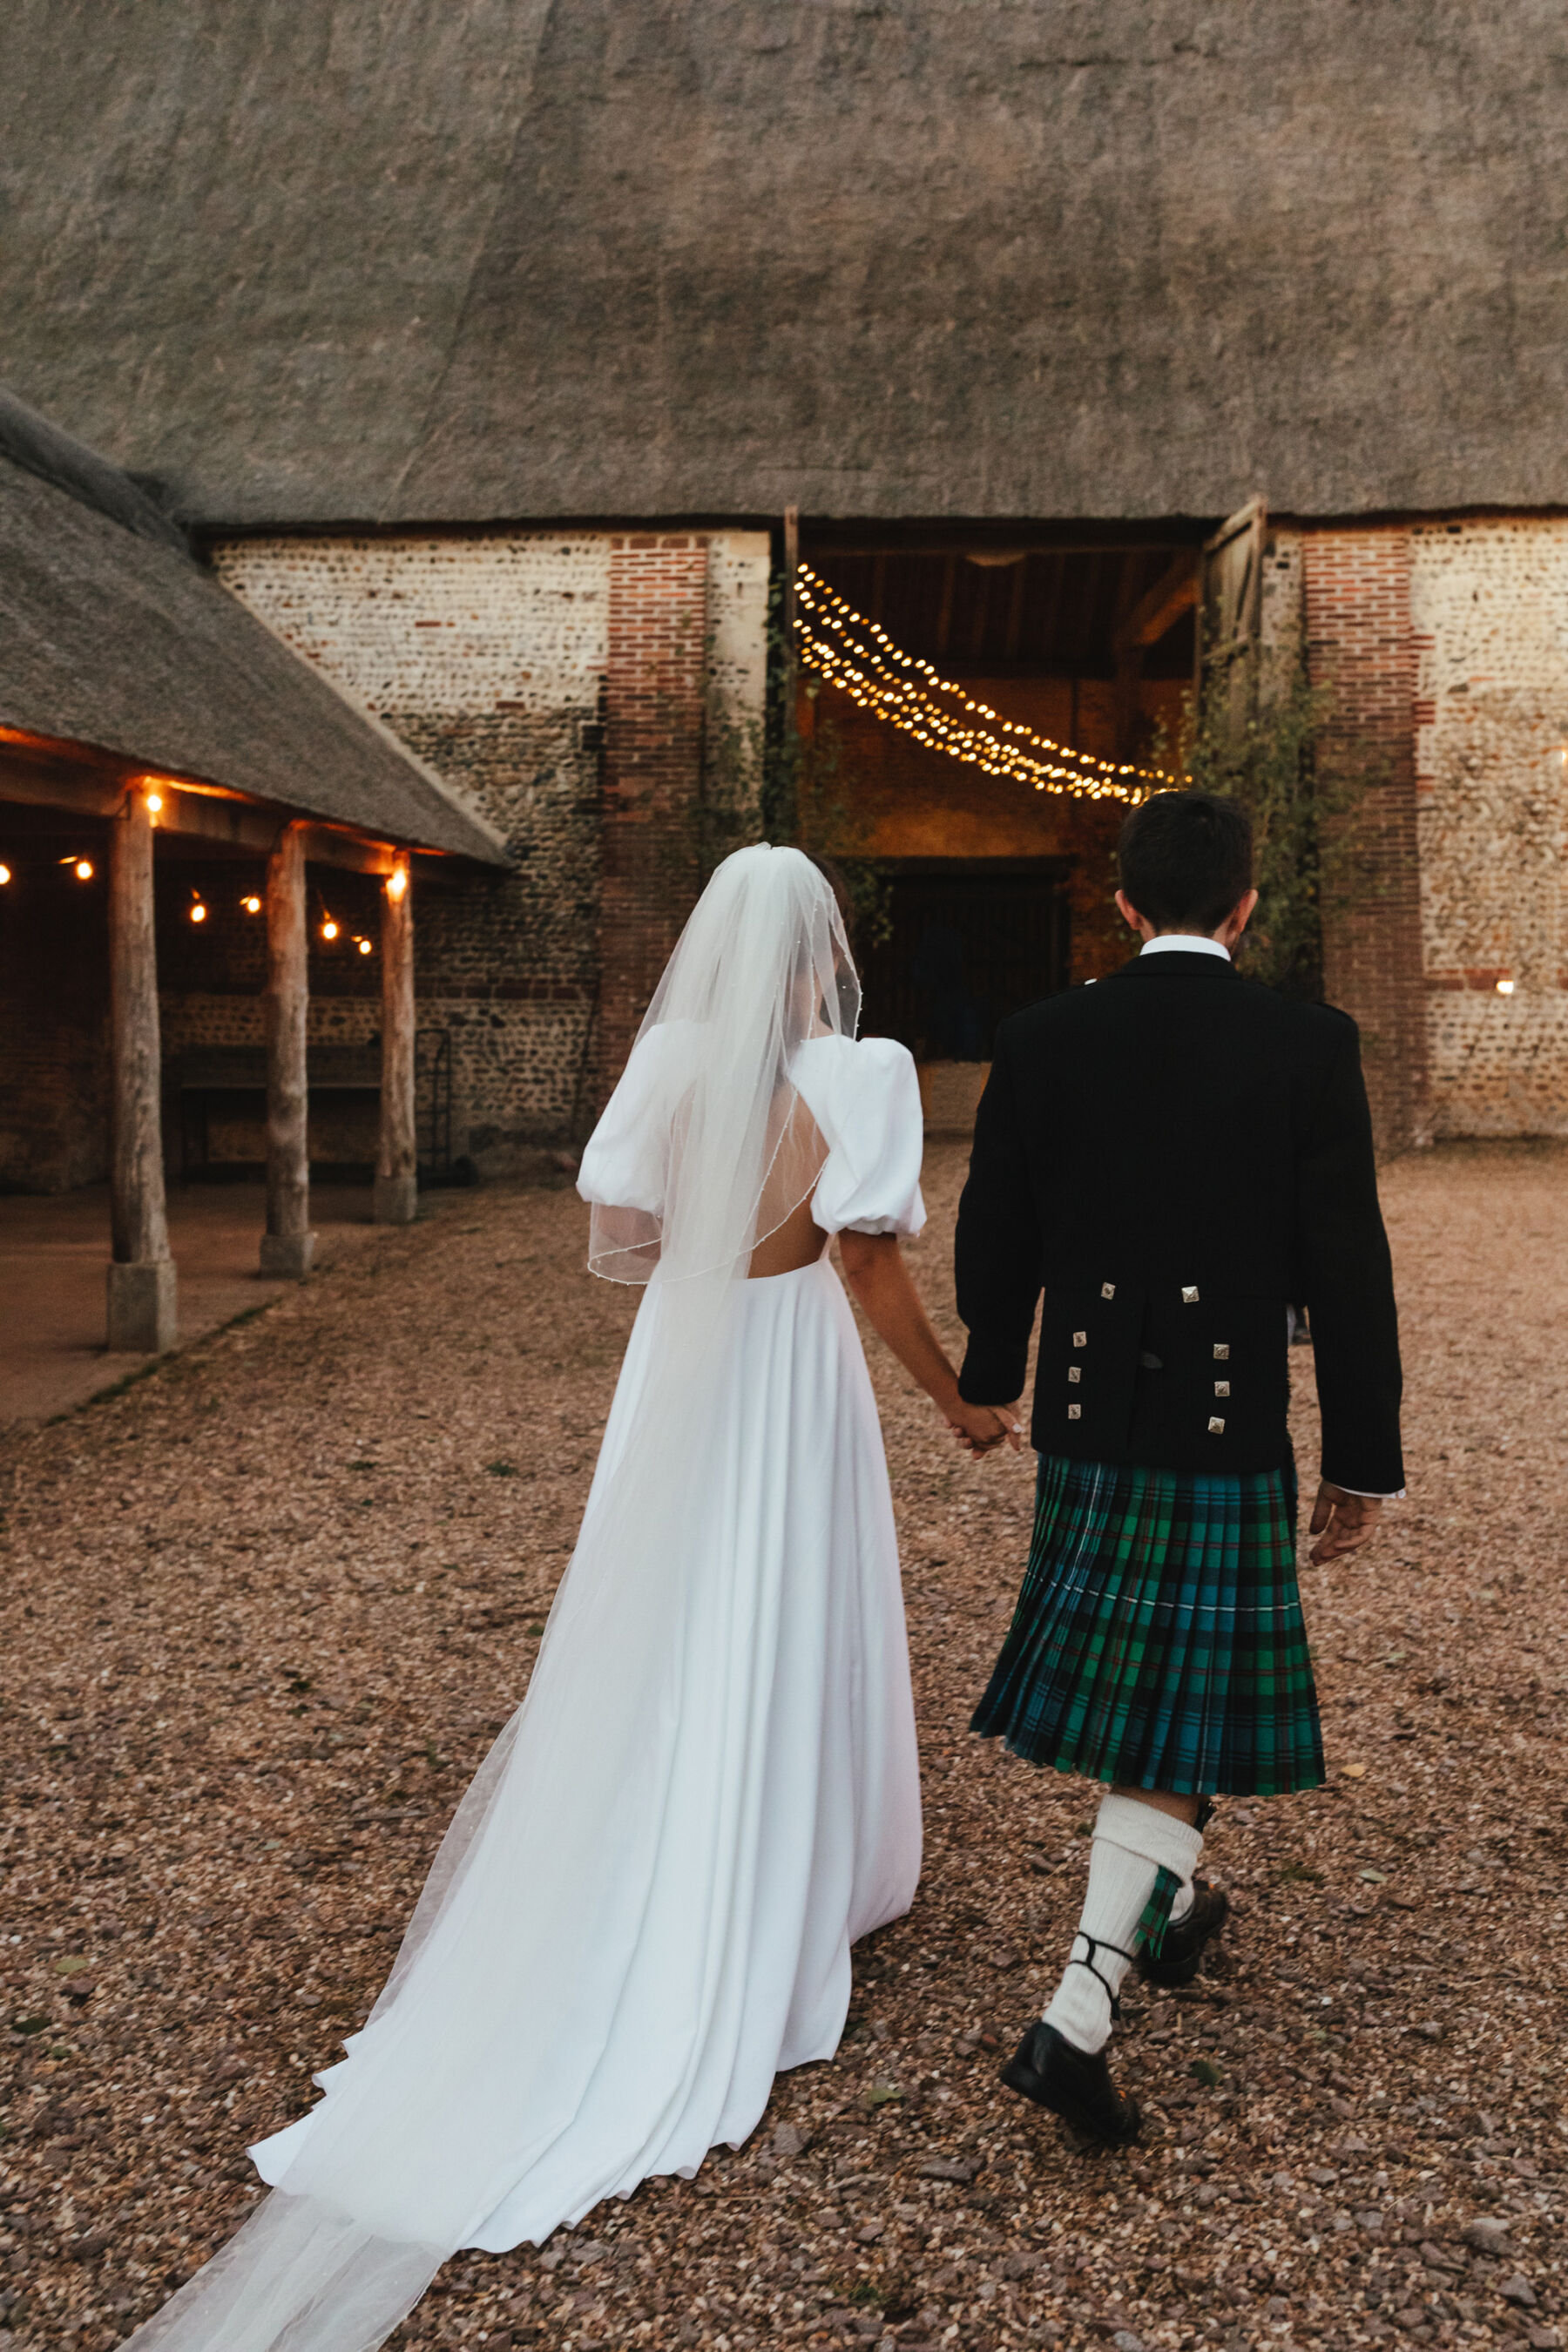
[(52, 1252)]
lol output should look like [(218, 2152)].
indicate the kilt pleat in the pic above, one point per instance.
[(1158, 1642)]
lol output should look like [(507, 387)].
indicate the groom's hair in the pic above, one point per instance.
[(1186, 859)]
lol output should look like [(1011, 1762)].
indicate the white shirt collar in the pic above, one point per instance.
[(1188, 941)]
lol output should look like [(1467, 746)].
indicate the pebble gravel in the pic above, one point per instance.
[(264, 1608)]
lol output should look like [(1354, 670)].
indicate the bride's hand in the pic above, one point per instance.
[(980, 1428)]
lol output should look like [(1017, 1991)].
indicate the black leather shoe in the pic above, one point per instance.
[(1072, 2085), (1181, 1953)]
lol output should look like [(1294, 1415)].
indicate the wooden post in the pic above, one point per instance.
[(141, 1283), (791, 666), (397, 1178), (288, 1245)]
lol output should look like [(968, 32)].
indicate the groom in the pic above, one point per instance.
[(1171, 1155)]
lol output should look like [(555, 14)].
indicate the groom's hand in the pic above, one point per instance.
[(1342, 1522), (980, 1428)]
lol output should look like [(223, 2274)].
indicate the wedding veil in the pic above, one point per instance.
[(502, 2066), (762, 965)]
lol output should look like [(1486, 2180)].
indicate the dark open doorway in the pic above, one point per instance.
[(972, 939)]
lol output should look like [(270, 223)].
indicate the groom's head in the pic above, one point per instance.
[(1186, 862)]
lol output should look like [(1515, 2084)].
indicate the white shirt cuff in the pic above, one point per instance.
[(1367, 1495)]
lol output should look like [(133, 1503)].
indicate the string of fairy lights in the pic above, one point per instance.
[(202, 904), (856, 656)]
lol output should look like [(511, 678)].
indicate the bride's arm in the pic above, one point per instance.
[(875, 1270)]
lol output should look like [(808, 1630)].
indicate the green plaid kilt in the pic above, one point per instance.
[(1158, 1640)]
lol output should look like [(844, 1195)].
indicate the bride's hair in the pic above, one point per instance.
[(833, 874)]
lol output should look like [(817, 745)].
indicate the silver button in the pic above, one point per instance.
[(1189, 1294), (1075, 1413), (1216, 1426), (1108, 1291), (1080, 1338), (1222, 1387), (1075, 1373), (1222, 1351)]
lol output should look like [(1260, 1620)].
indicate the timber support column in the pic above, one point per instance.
[(141, 1282), (397, 1176), (288, 1245)]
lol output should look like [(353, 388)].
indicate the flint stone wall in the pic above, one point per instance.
[(489, 655), (1489, 612)]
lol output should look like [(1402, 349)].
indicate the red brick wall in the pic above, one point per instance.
[(1360, 644), (654, 699)]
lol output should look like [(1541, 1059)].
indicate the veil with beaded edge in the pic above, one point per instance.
[(761, 966), (531, 1974)]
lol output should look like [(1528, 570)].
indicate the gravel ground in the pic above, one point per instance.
[(264, 1610)]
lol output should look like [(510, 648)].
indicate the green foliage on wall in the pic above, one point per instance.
[(1277, 751)]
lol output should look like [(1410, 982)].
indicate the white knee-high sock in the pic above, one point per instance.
[(1133, 1843)]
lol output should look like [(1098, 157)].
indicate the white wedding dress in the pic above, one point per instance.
[(645, 1907)]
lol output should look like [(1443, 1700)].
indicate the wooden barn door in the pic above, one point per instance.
[(1230, 616)]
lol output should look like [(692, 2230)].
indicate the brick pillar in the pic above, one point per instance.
[(655, 683), (1360, 643)]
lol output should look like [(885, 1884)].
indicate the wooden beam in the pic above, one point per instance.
[(396, 1172), (981, 612), (206, 816), (142, 1285), (288, 1245), (944, 617), (43, 783), (1161, 604), (91, 783), (1129, 652), (825, 549), (790, 681), (1016, 610)]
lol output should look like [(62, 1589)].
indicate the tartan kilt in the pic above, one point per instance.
[(1158, 1640)]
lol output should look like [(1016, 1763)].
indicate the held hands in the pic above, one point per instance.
[(1342, 1523), (980, 1428)]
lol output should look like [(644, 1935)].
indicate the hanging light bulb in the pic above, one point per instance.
[(154, 803), (328, 928), (364, 946), (4, 876), (198, 908), (252, 903), (80, 866)]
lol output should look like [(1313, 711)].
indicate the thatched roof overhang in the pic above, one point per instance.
[(121, 656), (475, 260)]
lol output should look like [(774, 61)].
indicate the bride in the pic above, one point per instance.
[(644, 1906)]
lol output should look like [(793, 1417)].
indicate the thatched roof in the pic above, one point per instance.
[(112, 636), (449, 260)]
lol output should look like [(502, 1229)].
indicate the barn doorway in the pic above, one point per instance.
[(993, 894), (970, 941)]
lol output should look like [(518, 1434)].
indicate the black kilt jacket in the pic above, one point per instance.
[(1172, 1155)]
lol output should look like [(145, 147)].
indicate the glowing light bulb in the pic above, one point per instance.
[(251, 904), (398, 882), (154, 803), (364, 946), (82, 869), (198, 912), (328, 928), (4, 876)]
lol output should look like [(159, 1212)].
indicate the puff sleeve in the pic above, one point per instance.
[(865, 1098), (626, 1161)]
